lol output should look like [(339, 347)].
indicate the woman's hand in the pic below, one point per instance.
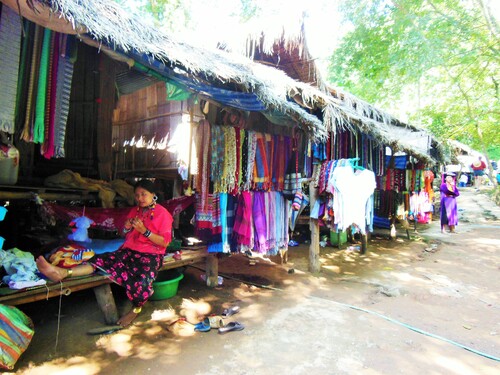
[(138, 225), (128, 224)]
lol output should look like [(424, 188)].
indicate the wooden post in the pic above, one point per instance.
[(106, 303), (314, 263), (212, 270), (364, 243)]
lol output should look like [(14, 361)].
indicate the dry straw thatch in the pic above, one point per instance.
[(107, 23)]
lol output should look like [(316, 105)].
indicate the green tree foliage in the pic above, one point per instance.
[(433, 62)]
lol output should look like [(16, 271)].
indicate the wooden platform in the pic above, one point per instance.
[(101, 287)]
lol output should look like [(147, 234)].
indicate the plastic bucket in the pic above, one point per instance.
[(336, 237), (166, 284)]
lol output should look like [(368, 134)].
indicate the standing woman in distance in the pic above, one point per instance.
[(449, 210)]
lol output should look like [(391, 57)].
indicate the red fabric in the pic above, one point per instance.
[(480, 167), (109, 218)]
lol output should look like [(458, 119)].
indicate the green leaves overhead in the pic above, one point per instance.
[(432, 62)]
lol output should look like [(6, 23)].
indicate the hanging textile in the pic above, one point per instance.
[(27, 133), (203, 175), (63, 92), (47, 148), (217, 151), (281, 218), (270, 205), (10, 47), (41, 97), (252, 150), (243, 224), (229, 175), (261, 169), (259, 220), (230, 212), (352, 193)]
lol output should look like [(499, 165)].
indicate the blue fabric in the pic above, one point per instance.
[(103, 246), (240, 100), (399, 161), (381, 222)]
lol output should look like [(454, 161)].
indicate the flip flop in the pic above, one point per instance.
[(106, 330), (232, 326), (202, 327), (230, 311)]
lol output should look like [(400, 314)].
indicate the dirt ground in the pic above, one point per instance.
[(429, 305)]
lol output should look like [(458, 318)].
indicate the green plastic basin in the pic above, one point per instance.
[(166, 284)]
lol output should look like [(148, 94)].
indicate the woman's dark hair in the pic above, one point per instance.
[(146, 185)]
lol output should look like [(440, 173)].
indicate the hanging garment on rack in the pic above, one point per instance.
[(252, 150), (259, 220), (243, 231), (41, 97), (10, 45), (352, 191), (64, 80), (203, 175)]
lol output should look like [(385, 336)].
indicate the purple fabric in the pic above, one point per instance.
[(449, 211), (259, 219)]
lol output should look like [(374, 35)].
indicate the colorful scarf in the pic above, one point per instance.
[(259, 220), (27, 133), (230, 211), (252, 150), (41, 97), (270, 202), (243, 225), (10, 45), (48, 145), (203, 177), (63, 93), (229, 174), (261, 167), (217, 147)]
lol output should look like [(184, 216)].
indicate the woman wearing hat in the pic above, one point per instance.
[(135, 265), (449, 211), (478, 167)]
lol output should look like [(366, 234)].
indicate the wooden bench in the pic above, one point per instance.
[(101, 284)]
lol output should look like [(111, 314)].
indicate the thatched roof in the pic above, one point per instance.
[(113, 27), (291, 54)]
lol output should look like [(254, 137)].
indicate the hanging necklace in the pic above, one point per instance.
[(150, 207)]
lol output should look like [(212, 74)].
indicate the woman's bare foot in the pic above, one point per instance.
[(128, 318), (53, 273)]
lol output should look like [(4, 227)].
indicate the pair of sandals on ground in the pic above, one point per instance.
[(217, 322)]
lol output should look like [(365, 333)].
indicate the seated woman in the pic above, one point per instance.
[(135, 265)]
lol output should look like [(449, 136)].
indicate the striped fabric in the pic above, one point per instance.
[(16, 332), (41, 96), (10, 47), (63, 93)]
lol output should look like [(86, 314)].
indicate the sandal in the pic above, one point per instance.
[(106, 330), (232, 326), (230, 311), (202, 327)]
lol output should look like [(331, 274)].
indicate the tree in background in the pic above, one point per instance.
[(434, 63)]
